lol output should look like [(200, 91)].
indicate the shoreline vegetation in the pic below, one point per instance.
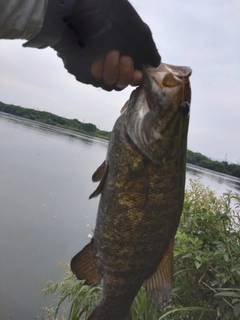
[(206, 268), (194, 158)]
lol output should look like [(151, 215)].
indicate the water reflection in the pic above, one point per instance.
[(219, 182), (45, 182), (46, 129)]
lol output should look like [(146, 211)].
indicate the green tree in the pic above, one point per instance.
[(89, 127), (236, 172)]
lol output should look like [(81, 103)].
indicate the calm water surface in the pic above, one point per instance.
[(45, 214)]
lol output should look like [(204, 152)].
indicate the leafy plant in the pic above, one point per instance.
[(207, 267), (207, 253), (74, 300)]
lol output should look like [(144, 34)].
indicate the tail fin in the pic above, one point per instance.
[(101, 313)]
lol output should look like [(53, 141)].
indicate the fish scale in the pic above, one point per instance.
[(141, 191)]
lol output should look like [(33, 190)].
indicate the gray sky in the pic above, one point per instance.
[(204, 35)]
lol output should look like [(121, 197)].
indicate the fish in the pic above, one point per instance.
[(141, 188)]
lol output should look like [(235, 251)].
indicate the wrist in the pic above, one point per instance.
[(53, 25)]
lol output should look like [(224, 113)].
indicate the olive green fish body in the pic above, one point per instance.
[(142, 193)]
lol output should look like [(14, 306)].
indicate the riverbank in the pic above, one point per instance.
[(195, 158), (55, 120)]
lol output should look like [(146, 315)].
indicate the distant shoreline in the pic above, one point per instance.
[(55, 120), (90, 129)]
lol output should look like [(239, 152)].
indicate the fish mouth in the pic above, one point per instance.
[(166, 80), (158, 111), (179, 74), (170, 76)]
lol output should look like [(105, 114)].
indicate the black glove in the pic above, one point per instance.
[(96, 27)]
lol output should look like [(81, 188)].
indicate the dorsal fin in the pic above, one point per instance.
[(98, 174), (84, 267), (159, 285), (102, 182)]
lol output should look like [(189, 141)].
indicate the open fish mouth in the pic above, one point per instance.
[(166, 80), (155, 110), (170, 76)]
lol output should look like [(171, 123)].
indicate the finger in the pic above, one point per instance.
[(97, 68), (111, 68), (126, 71), (137, 78)]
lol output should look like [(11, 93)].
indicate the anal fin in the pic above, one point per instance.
[(159, 285), (84, 267)]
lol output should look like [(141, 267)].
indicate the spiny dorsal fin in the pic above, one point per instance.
[(98, 174), (159, 285), (101, 184), (84, 267)]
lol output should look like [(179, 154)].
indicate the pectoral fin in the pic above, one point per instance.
[(84, 267), (98, 174), (103, 175), (159, 285)]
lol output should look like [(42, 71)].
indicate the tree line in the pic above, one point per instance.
[(200, 160), (195, 158), (52, 119)]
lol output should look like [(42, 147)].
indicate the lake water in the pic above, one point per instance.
[(45, 214)]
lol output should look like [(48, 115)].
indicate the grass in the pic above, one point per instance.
[(206, 268)]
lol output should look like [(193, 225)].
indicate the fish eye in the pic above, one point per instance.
[(184, 108)]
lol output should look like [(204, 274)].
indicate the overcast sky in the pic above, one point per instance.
[(204, 35)]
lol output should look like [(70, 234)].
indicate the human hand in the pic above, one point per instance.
[(106, 44), (113, 69)]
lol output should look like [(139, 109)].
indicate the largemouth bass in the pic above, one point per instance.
[(142, 185)]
